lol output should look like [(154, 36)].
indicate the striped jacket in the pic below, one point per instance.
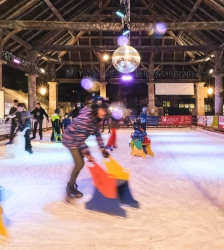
[(80, 129)]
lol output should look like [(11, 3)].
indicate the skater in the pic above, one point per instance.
[(106, 119), (143, 116), (84, 125), (22, 119), (38, 114), (56, 126), (114, 125), (13, 124), (75, 112), (66, 121)]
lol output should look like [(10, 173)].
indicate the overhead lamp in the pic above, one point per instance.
[(210, 71), (43, 71), (210, 91), (121, 11), (125, 30), (105, 57)]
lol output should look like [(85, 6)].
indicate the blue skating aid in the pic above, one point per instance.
[(102, 204), (125, 196)]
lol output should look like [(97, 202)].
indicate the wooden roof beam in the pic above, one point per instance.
[(87, 48), (102, 26), (191, 14)]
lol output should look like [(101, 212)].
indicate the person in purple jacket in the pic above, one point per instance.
[(85, 124)]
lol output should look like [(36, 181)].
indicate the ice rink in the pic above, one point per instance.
[(180, 191)]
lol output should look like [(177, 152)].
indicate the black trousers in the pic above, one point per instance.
[(57, 130), (40, 122), (143, 126), (79, 164), (103, 124), (27, 138), (12, 132)]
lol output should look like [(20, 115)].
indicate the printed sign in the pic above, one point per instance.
[(5, 128), (221, 122), (176, 120), (201, 121), (152, 120), (212, 121)]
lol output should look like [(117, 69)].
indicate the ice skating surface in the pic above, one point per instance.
[(180, 191)]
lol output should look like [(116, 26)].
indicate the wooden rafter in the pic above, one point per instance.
[(81, 33), (191, 14), (22, 9), (139, 48)]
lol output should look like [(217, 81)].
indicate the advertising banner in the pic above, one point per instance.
[(221, 122), (212, 121), (5, 128), (201, 121), (176, 120), (152, 120)]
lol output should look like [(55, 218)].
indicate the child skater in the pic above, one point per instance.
[(22, 119), (66, 121), (143, 116), (85, 124), (56, 125)]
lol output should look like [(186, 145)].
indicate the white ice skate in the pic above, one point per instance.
[(17, 149)]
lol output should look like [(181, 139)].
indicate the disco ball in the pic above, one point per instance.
[(126, 59)]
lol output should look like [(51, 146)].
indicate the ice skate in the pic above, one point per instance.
[(73, 193)]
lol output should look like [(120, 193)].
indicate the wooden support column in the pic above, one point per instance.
[(218, 74), (200, 102), (151, 86), (103, 89), (218, 94), (2, 92), (53, 89), (32, 95), (53, 93)]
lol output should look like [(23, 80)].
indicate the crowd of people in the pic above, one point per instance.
[(86, 121)]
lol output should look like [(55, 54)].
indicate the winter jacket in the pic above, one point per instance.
[(11, 112), (22, 119), (66, 122), (39, 113), (56, 121), (80, 128), (114, 123), (143, 116), (74, 113)]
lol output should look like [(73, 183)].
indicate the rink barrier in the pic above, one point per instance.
[(161, 121), (5, 128), (215, 123)]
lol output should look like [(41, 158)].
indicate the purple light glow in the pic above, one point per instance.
[(161, 28), (86, 83), (122, 40), (126, 78), (16, 61), (117, 114)]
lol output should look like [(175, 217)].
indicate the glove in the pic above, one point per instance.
[(90, 158), (105, 153)]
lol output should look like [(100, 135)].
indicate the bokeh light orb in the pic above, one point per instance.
[(117, 113), (122, 40), (86, 83), (43, 91), (126, 59), (161, 28)]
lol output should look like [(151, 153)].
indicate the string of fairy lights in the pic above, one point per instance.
[(138, 74), (19, 60), (110, 74)]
